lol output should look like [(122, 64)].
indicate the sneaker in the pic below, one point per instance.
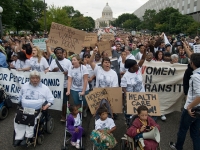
[(172, 145), (163, 118), (85, 113), (73, 143), (77, 146)]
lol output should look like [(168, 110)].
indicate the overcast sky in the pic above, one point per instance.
[(94, 8)]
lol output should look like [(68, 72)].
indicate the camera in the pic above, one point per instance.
[(148, 127), (196, 111)]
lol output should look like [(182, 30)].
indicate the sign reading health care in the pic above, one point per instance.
[(166, 80), (12, 81)]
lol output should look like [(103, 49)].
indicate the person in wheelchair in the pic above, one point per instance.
[(32, 96), (143, 123), (104, 127)]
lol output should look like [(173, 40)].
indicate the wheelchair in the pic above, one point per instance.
[(45, 123), (4, 106), (67, 136), (129, 143)]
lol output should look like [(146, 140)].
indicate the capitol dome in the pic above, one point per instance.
[(107, 12), (107, 9)]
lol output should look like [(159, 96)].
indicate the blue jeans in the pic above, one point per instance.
[(188, 122)]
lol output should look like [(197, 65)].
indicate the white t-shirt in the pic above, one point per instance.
[(105, 78), (133, 81), (105, 124), (34, 97), (65, 63), (138, 56), (122, 68), (13, 63), (40, 67), (21, 64), (77, 77), (130, 56), (90, 70), (77, 120)]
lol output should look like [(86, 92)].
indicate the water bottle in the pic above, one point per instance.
[(80, 96)]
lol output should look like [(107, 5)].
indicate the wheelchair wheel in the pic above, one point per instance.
[(50, 125), (40, 139), (124, 145), (3, 112)]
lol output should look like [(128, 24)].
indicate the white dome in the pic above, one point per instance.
[(107, 8)]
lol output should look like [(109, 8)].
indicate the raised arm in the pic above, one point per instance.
[(187, 50), (92, 63), (143, 58)]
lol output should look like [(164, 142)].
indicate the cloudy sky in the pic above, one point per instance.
[(94, 8)]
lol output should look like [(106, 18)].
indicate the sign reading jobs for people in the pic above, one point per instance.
[(166, 80), (12, 81), (68, 38), (150, 100)]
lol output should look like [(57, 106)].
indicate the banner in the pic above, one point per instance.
[(13, 80), (166, 80), (40, 43), (68, 38), (113, 95), (150, 100)]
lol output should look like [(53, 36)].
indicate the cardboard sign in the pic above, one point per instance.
[(40, 43), (105, 46), (136, 99), (196, 48), (123, 36), (90, 40), (115, 98), (68, 38), (107, 36), (94, 98), (112, 94)]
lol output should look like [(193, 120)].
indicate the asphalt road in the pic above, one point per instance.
[(54, 141)]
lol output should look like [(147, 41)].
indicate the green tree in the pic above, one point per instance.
[(149, 19), (9, 13), (55, 14)]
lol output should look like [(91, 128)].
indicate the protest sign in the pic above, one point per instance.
[(150, 100), (166, 80), (40, 43), (12, 81), (68, 38), (112, 94), (196, 48), (90, 40), (105, 47), (107, 36), (115, 98), (94, 98)]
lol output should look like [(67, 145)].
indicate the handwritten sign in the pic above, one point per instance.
[(68, 38), (134, 100), (105, 47), (40, 43), (107, 36), (94, 98), (196, 48), (112, 94), (123, 36), (90, 40), (115, 98)]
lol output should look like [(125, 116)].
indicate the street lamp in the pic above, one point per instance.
[(1, 28)]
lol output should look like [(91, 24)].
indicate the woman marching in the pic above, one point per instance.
[(78, 82), (105, 76)]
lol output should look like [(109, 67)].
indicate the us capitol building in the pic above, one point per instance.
[(107, 16)]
